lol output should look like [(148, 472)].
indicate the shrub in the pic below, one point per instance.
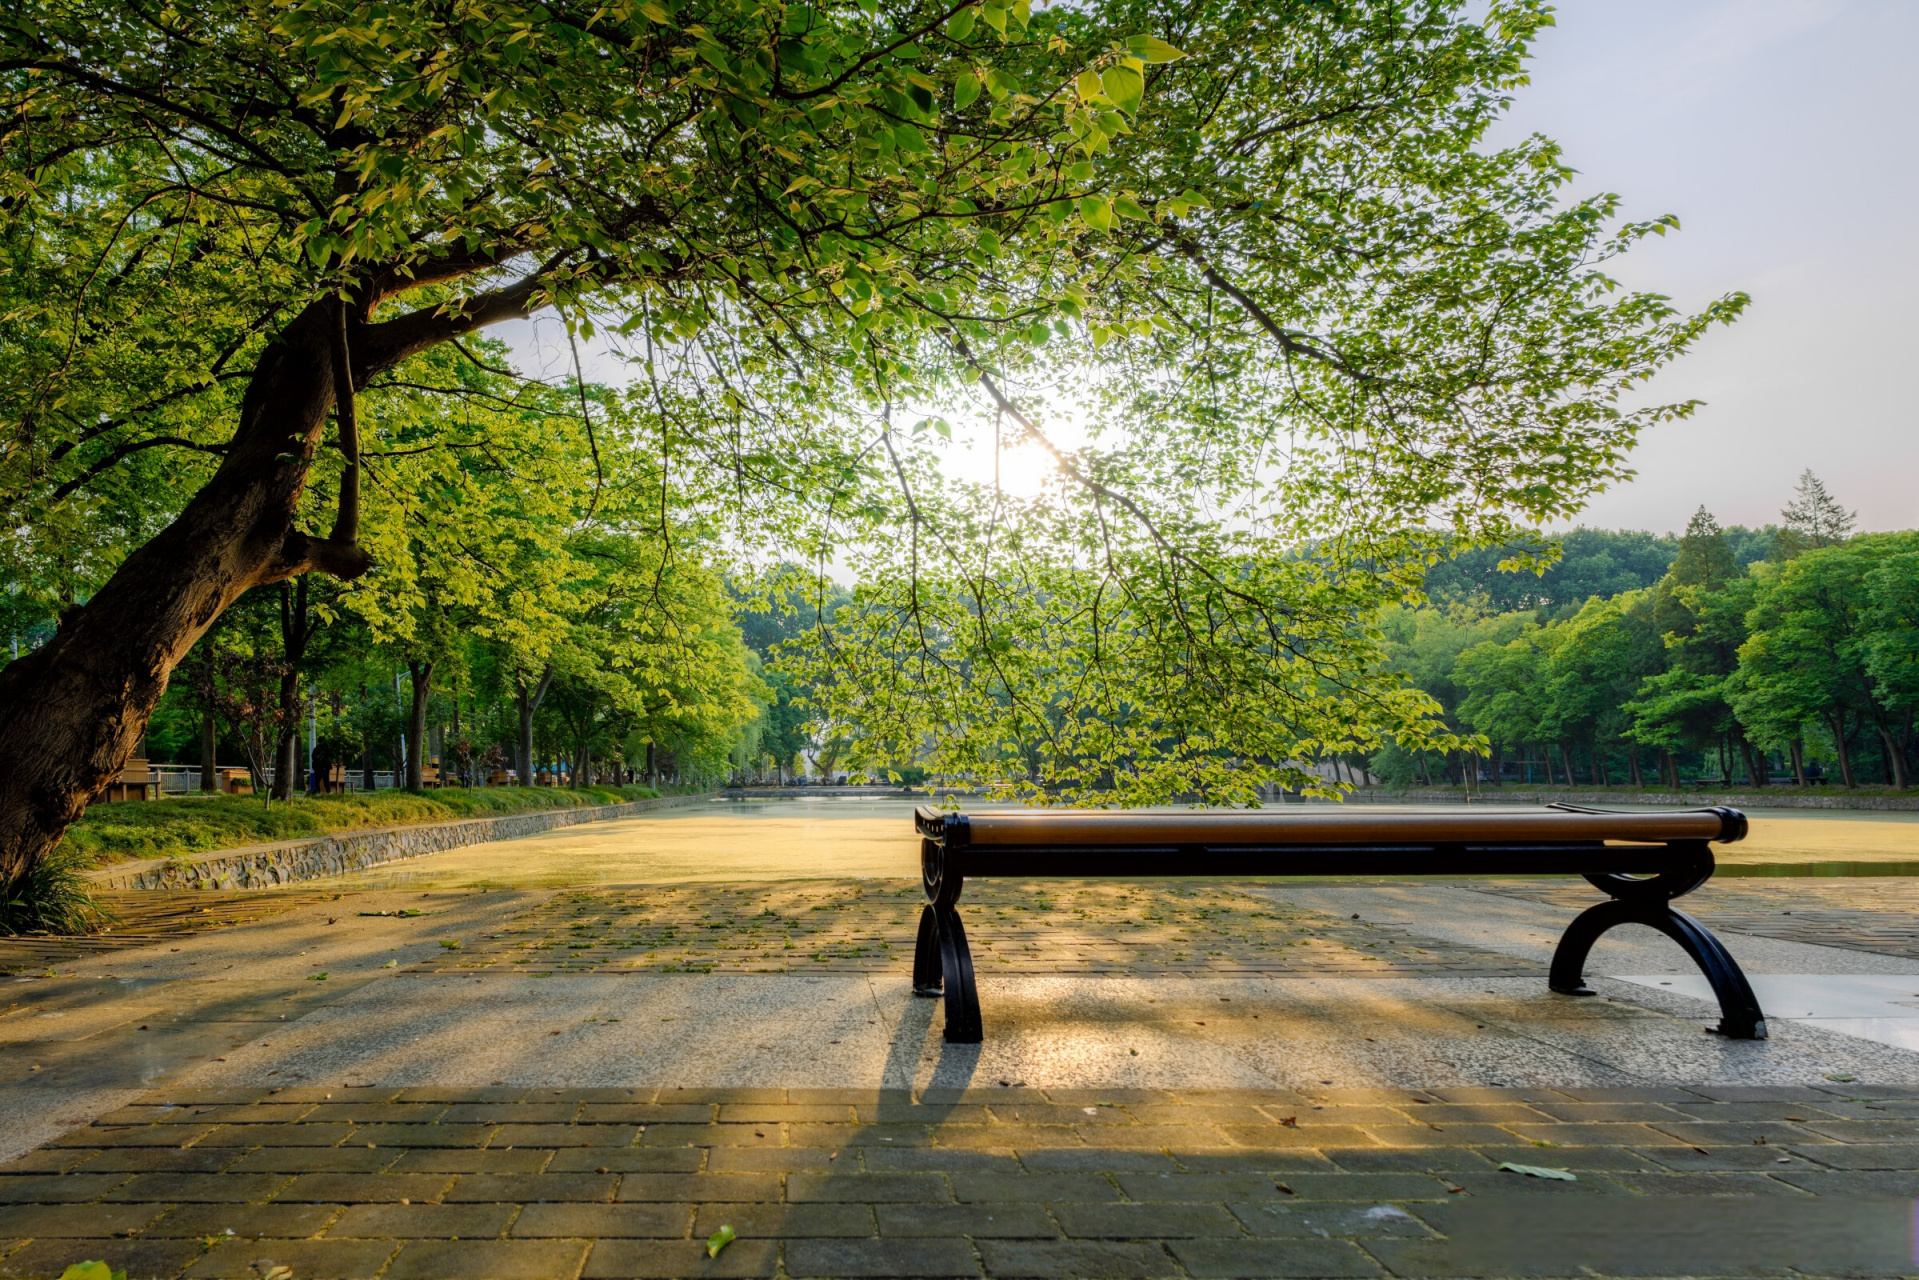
[(54, 897)]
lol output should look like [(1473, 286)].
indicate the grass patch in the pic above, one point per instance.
[(54, 897), (182, 825)]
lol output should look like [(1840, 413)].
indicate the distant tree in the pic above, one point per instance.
[(1813, 519), (1592, 562), (1807, 657), (1892, 644), (1503, 692)]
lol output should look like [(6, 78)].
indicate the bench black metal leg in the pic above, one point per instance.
[(956, 965), (926, 955), (1740, 1016)]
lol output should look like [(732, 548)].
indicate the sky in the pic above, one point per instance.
[(1784, 134)]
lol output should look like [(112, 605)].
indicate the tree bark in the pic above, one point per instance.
[(1600, 779), (1798, 752), (1566, 762), (1895, 759), (421, 675), (528, 702), (1837, 720), (1636, 779), (209, 751), (295, 631)]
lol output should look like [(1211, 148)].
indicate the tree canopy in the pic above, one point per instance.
[(1315, 327)]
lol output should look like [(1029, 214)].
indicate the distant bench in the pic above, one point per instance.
[(1643, 860)]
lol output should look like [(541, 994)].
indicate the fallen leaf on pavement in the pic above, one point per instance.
[(1538, 1171)]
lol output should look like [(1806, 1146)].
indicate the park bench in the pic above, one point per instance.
[(1642, 860)]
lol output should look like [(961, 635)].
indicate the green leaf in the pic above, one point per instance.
[(317, 977), (1124, 86), (961, 24), (451, 944), (1127, 207), (1153, 49), (92, 1271), (1096, 213), (909, 138), (995, 17), (719, 1240), (966, 88), (1539, 1171), (1088, 86)]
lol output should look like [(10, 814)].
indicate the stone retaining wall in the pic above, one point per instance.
[(263, 865), (1770, 798)]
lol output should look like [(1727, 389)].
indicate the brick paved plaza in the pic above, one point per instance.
[(1177, 1080)]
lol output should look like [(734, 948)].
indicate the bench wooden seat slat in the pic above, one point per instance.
[(1643, 860), (1081, 828)]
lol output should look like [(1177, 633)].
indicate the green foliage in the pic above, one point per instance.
[(195, 824), (53, 897), (1591, 562), (93, 1271), (1318, 328), (1810, 654)]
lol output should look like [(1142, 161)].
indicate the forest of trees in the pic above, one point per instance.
[(1726, 655), (556, 605)]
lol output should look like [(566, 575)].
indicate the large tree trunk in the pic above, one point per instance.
[(1798, 750), (528, 701), (1566, 762), (1634, 778), (421, 675), (72, 711)]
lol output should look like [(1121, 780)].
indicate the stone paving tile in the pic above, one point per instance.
[(591, 1221), (57, 1188), (1864, 1155), (979, 1221), (138, 1258), (71, 1220), (303, 1160), (678, 1259), (487, 1260), (403, 1221), (1323, 1221), (1261, 1258), (1076, 1260), (249, 1221), (496, 1187), (989, 1184), (788, 1221), (347, 1188), (251, 1259), (1143, 1221)]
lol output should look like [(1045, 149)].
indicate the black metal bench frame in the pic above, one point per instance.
[(1641, 879)]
